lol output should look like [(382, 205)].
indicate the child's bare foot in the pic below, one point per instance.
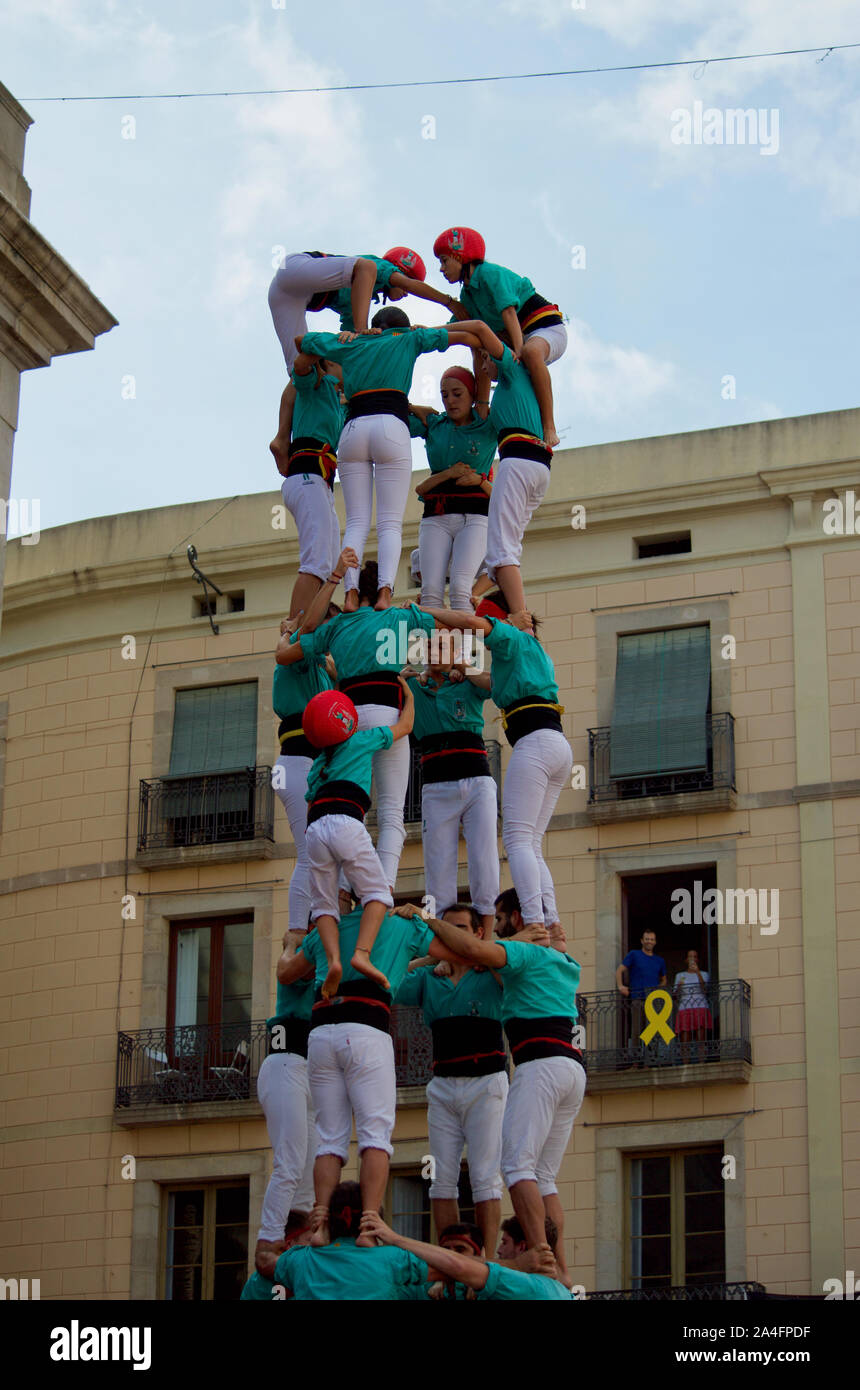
[(364, 1239), (280, 448), (361, 962), (350, 603), (383, 599), (331, 983), (550, 435), (319, 1226)]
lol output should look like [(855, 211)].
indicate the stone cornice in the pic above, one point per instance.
[(15, 109), (46, 309)]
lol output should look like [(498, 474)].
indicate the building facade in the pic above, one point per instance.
[(700, 603)]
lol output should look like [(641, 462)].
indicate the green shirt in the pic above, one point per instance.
[(345, 1272), (257, 1289), (537, 982), (514, 403), (378, 362), (343, 298), (365, 642), (446, 443), (452, 707), (294, 686), (491, 289), (351, 761), (292, 1001), (520, 665), (400, 940), (317, 413), (507, 1284), (475, 995)]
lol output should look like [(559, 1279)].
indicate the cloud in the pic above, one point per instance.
[(600, 379)]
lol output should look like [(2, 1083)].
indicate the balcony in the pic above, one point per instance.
[(212, 817), (413, 1048), (739, 1292), (664, 793), (618, 1060)]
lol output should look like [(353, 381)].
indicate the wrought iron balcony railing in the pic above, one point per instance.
[(197, 1062), (613, 1024), (412, 804), (719, 773), (690, 1293), (211, 808)]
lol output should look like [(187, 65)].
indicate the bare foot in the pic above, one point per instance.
[(361, 962), (383, 600), (319, 1226), (331, 983), (550, 436), (366, 1241), (280, 450), (350, 603)]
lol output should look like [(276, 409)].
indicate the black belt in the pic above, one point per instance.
[(442, 500), (449, 757), (292, 1038), (529, 713), (291, 738), (537, 312), (355, 1002), (522, 444), (308, 455), (531, 1038), (466, 1046), (379, 402), (376, 688), (339, 798)]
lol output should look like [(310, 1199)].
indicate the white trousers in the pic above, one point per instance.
[(451, 546), (555, 337), (444, 805), (284, 1093), (467, 1110), (351, 1073), (390, 780), (290, 780), (311, 501), (517, 491), (296, 282), (538, 771), (341, 841), (375, 447), (543, 1103)]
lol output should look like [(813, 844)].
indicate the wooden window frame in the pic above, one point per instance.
[(207, 1258), (677, 1193), (216, 961)]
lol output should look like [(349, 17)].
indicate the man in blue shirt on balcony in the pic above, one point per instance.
[(636, 976)]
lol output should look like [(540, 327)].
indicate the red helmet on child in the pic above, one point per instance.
[(462, 242), (408, 261), (329, 718)]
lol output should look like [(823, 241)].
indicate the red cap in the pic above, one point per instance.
[(329, 718), (408, 261), (463, 374), (462, 242), (488, 609)]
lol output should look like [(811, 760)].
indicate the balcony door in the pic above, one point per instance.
[(209, 995), (647, 905), (212, 754)]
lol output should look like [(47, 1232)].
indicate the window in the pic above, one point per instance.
[(408, 1203), (210, 973), (654, 546), (646, 905), (676, 1219), (205, 1242), (662, 702), (214, 729)]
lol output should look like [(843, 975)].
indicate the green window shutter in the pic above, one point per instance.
[(214, 729), (662, 697)]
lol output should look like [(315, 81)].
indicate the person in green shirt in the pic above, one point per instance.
[(452, 537), (260, 1288), (509, 304)]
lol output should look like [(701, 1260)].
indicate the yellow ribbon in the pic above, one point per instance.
[(657, 1021), (539, 705), (291, 733)]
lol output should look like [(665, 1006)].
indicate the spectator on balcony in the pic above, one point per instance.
[(539, 987), (351, 1056), (694, 1019), (284, 1094), (638, 974), (297, 1231), (457, 787), (466, 1096)]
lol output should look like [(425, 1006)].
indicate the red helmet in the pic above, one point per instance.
[(408, 261), (462, 242), (329, 718)]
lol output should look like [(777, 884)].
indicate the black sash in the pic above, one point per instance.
[(381, 402), (376, 688), (355, 1002), (339, 798), (530, 713), (451, 756), (466, 1046)]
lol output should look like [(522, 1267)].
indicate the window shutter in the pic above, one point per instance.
[(662, 698), (214, 729)]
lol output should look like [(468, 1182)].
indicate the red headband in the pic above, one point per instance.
[(467, 1239), (488, 609), (463, 374)]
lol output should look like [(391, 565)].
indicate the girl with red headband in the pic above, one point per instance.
[(452, 539), (509, 304)]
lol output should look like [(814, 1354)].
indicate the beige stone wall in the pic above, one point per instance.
[(84, 725)]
